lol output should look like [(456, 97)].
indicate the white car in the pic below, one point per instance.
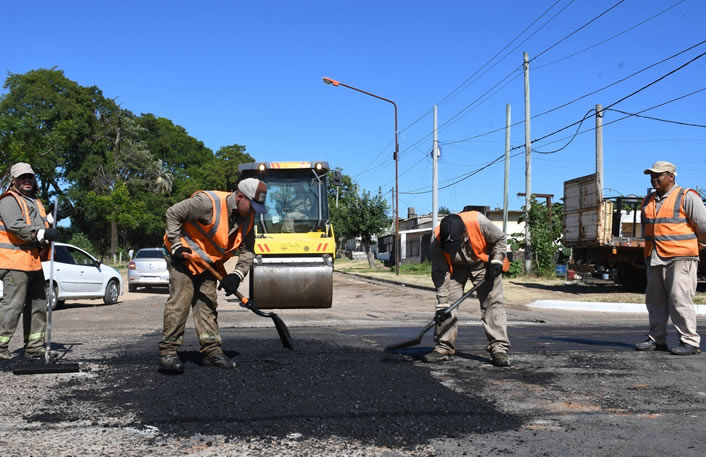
[(77, 274)]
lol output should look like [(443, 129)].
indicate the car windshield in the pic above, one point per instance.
[(150, 253)]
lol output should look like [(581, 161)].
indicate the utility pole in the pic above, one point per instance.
[(599, 151), (507, 166), (528, 165), (435, 177)]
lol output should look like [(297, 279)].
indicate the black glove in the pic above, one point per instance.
[(50, 234), (181, 253), (230, 284), (494, 270), (441, 315), (64, 210)]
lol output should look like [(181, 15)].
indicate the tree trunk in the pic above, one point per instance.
[(113, 238), (369, 253)]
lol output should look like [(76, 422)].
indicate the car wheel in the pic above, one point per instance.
[(111, 292), (132, 288), (55, 302)]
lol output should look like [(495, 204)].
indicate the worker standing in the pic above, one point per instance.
[(24, 236), (673, 222), (208, 228), (469, 246)]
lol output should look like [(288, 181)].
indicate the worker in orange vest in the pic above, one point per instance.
[(673, 222), (468, 246), (24, 235), (206, 229)]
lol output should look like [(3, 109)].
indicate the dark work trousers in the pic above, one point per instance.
[(187, 291), (23, 293)]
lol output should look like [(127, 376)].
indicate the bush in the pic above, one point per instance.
[(517, 268), (80, 240)]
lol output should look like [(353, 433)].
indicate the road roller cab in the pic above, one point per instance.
[(294, 240)]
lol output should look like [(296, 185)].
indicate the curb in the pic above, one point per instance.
[(599, 306), (387, 281)]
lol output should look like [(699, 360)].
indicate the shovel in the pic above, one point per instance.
[(431, 324), (245, 302), (49, 366)]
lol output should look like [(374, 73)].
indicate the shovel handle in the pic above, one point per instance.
[(219, 277)]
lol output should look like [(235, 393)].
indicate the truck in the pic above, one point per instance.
[(294, 239), (605, 234)]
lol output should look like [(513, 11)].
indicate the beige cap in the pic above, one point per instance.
[(256, 191), (20, 168), (661, 167)]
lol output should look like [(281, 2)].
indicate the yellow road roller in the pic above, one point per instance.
[(294, 242)]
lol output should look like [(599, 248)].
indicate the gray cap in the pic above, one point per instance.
[(661, 167), (20, 168), (256, 191)]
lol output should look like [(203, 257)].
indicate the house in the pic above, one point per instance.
[(416, 232)]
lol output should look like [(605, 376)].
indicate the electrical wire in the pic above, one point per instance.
[(688, 124), (582, 96)]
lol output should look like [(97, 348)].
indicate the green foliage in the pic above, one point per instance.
[(80, 240), (516, 269), (545, 236), (423, 268)]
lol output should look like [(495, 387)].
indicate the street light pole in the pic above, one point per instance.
[(395, 156)]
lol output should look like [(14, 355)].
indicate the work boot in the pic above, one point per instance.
[(500, 359), (686, 349), (436, 357), (650, 345), (5, 354), (170, 364), (40, 354), (218, 361)]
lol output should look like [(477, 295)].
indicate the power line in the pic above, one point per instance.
[(611, 38), (659, 119), (577, 30), (583, 96), (465, 176)]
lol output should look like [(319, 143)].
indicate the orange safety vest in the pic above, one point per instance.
[(211, 242), (668, 230), (475, 237), (15, 253)]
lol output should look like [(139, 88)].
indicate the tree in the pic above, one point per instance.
[(545, 235), (367, 218), (48, 121)]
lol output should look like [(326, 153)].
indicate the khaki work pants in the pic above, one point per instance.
[(185, 292), (493, 317), (23, 293), (670, 293)]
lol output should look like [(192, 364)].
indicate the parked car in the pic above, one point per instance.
[(148, 269), (77, 274)]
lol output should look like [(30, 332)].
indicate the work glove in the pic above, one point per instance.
[(181, 253), (494, 270), (230, 284), (64, 210), (48, 235)]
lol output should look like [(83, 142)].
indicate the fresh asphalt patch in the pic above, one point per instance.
[(319, 390)]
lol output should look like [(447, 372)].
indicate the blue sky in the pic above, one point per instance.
[(251, 73)]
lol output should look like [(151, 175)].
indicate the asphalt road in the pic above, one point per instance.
[(576, 387)]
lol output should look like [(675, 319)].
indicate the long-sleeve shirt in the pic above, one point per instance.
[(496, 247), (200, 208), (14, 221)]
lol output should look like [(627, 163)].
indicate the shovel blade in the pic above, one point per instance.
[(283, 332), (403, 344)]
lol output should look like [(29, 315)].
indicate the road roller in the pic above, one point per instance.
[(294, 240)]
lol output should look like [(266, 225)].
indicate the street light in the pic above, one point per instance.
[(395, 156)]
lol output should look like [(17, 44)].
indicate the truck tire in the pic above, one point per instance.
[(632, 278)]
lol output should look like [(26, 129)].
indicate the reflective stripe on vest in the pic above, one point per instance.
[(475, 237), (15, 253), (668, 229), (210, 242)]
